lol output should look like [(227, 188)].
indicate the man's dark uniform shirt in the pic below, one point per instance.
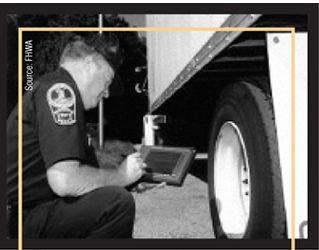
[(53, 130)]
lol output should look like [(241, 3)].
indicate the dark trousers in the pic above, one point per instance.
[(103, 213)]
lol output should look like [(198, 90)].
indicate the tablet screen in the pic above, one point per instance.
[(166, 164), (162, 162)]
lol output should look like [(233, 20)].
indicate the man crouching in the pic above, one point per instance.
[(64, 196)]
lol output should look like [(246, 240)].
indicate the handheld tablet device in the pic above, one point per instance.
[(166, 164)]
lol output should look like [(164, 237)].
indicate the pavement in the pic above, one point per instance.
[(174, 212)]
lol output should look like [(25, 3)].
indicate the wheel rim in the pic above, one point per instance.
[(232, 180)]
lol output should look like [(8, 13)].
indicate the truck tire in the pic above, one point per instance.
[(244, 175)]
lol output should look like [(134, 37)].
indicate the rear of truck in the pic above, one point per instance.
[(230, 93)]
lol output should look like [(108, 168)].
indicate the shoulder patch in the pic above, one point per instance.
[(62, 103)]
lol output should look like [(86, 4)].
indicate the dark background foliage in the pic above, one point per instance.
[(126, 51)]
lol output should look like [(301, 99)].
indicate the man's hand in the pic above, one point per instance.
[(132, 168)]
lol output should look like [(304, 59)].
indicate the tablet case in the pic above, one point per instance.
[(167, 164)]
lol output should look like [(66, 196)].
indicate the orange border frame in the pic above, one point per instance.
[(66, 29)]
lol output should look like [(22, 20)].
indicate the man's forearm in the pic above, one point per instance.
[(73, 179), (87, 178)]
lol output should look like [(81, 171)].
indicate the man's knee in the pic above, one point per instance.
[(116, 196), (118, 209), (116, 213), (124, 197)]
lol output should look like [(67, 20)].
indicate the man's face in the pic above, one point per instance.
[(100, 81)]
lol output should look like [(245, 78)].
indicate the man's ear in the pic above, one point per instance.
[(89, 64)]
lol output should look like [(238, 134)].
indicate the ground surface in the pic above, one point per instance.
[(174, 212)]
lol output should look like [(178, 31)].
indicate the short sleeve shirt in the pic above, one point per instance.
[(53, 130)]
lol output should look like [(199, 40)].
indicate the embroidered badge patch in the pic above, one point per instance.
[(61, 99)]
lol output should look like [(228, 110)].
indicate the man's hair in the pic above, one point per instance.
[(79, 49)]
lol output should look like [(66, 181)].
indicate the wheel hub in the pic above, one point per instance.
[(232, 180)]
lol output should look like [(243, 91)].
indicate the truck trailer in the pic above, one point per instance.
[(239, 96)]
